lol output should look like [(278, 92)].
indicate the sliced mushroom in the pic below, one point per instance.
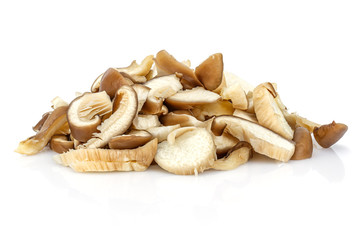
[(144, 122), (268, 112), (36, 143), (124, 111), (84, 114), (237, 95), (61, 144), (303, 144), (224, 143), (237, 156), (203, 112), (101, 160), (184, 120), (111, 81), (142, 93), (189, 98), (250, 101), (246, 115), (164, 87), (187, 151), (329, 134), (262, 140), (152, 106), (131, 140), (210, 72), (162, 132), (58, 102), (168, 64), (231, 79), (41, 122)]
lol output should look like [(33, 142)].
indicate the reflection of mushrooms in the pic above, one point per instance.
[(36, 143), (268, 112), (210, 72), (162, 132), (101, 160), (124, 111), (61, 144), (189, 98), (262, 140), (202, 112), (187, 151), (144, 122), (329, 134), (111, 81), (303, 144), (238, 155), (168, 64), (84, 114), (131, 140)]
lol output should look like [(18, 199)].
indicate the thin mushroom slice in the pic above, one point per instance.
[(187, 151), (142, 93), (210, 72), (329, 134), (184, 120), (84, 114), (131, 140), (36, 143), (152, 105), (246, 115), (166, 63), (218, 108), (61, 144), (111, 81), (124, 111), (162, 132), (303, 144), (58, 102), (262, 140), (189, 98), (104, 160), (237, 156), (268, 112), (164, 87), (231, 79), (224, 143), (237, 95), (144, 122), (41, 122)]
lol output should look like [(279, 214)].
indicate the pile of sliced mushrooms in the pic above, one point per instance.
[(162, 111)]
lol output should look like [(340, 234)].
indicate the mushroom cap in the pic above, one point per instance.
[(210, 71), (112, 80), (131, 140), (329, 134), (303, 144)]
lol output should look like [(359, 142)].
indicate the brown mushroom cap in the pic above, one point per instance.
[(61, 144), (329, 134), (210, 72), (303, 144), (112, 80), (131, 140)]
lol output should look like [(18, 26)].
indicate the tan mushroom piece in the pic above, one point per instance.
[(36, 143), (124, 111), (152, 106), (246, 115), (142, 93), (224, 143), (329, 134), (262, 140), (237, 156), (189, 98), (58, 102), (41, 122), (231, 79), (303, 144), (103, 160), (220, 107), (187, 151), (164, 87), (210, 71), (162, 132), (268, 112), (61, 144), (131, 140), (237, 95), (184, 120), (111, 81), (144, 122), (166, 63), (84, 114)]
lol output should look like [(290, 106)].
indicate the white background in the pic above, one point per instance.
[(309, 48)]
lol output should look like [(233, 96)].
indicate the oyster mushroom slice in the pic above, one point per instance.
[(248, 116), (202, 112), (61, 144), (166, 63), (84, 114), (162, 132), (268, 112), (210, 72), (303, 144), (131, 140), (124, 111), (237, 156), (184, 120), (58, 102), (224, 143), (36, 143), (262, 140), (152, 105), (41, 122), (231, 79), (329, 134), (164, 87), (189, 98), (102, 160), (237, 95), (144, 122), (190, 152), (111, 81), (142, 93)]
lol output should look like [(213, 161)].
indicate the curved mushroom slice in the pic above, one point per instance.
[(41, 122), (250, 101), (268, 112), (237, 156), (202, 112), (166, 63), (152, 106), (224, 143), (231, 79), (144, 122), (142, 93), (84, 114), (124, 111), (162, 132), (329, 134), (101, 160), (237, 95), (248, 116), (210, 72), (61, 144), (187, 151), (262, 140), (303, 144), (131, 140), (184, 120), (164, 87), (111, 81), (189, 98), (36, 143), (58, 102)]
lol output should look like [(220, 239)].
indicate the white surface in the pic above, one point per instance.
[(309, 48)]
